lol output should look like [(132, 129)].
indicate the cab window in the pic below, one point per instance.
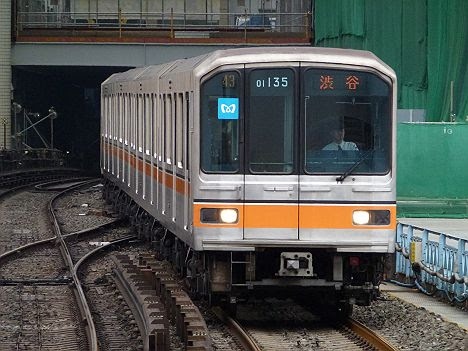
[(220, 113)]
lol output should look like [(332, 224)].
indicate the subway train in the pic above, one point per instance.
[(266, 170)]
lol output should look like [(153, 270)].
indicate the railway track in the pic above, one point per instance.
[(38, 305), (90, 252), (289, 335), (23, 212), (40, 310)]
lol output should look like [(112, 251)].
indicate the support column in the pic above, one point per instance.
[(5, 74)]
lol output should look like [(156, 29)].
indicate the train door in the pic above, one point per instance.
[(271, 177)]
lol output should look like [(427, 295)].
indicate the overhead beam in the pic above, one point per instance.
[(103, 54)]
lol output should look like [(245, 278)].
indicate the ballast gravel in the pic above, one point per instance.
[(82, 209), (409, 327)]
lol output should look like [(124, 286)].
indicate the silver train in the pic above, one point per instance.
[(259, 169)]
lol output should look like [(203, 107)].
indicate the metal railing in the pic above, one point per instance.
[(171, 21), (433, 259), (13, 160)]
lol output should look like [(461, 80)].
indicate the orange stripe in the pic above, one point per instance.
[(271, 216), (144, 167), (339, 217), (286, 216)]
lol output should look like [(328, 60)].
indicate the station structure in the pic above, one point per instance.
[(105, 33)]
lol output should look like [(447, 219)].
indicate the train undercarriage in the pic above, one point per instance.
[(313, 276)]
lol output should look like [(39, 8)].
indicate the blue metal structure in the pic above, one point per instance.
[(433, 258)]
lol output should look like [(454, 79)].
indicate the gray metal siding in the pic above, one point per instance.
[(5, 73)]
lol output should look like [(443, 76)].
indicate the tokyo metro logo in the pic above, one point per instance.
[(228, 108)]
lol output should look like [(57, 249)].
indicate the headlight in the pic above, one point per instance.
[(371, 217), (228, 215), (219, 215), (361, 217)]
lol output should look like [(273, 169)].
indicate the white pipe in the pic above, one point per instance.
[(5, 74)]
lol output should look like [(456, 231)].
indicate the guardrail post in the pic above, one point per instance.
[(307, 23), (409, 238), (120, 22), (245, 25), (425, 238), (398, 254), (460, 287), (440, 259), (172, 23)]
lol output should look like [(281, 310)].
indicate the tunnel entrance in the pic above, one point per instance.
[(74, 93)]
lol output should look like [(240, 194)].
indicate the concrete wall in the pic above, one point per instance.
[(5, 74)]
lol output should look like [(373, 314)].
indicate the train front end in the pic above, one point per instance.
[(296, 180)]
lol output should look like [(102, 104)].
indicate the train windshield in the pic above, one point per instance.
[(220, 111), (347, 122), (270, 121)]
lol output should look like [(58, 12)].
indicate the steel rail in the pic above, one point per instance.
[(100, 248), (248, 343), (27, 246), (374, 339), (51, 239), (10, 191), (81, 297), (92, 229)]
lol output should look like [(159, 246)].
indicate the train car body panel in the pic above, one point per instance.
[(233, 152)]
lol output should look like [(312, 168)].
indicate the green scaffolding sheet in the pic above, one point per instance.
[(424, 41)]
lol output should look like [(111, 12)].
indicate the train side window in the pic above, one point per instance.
[(153, 125), (117, 118), (132, 120), (179, 131), (106, 115), (168, 130), (111, 112), (119, 131), (141, 126), (135, 122), (187, 131), (175, 111), (148, 118), (124, 119), (162, 130), (220, 112), (129, 118)]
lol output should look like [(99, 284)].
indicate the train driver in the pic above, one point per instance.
[(337, 133)]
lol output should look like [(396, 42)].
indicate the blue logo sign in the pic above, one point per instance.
[(228, 108)]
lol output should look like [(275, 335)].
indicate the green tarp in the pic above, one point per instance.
[(432, 170), (424, 41)]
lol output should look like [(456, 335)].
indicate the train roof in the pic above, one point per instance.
[(203, 64)]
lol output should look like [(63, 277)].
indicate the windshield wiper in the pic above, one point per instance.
[(354, 166)]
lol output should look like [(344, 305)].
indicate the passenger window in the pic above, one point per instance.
[(179, 131), (147, 123), (187, 131), (168, 129), (141, 125), (270, 121), (220, 112)]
